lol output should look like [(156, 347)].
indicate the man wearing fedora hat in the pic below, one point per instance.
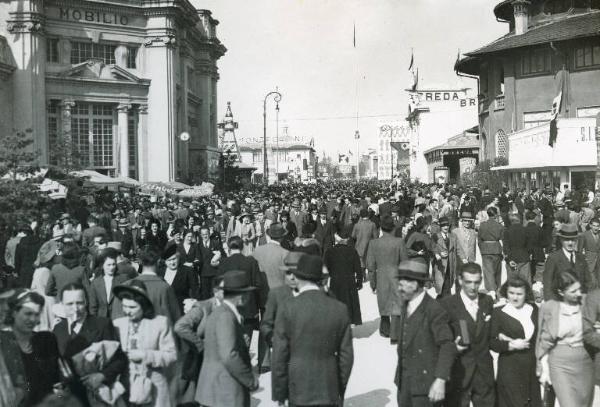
[(226, 377), (270, 256), (426, 349), (312, 357), (566, 260)]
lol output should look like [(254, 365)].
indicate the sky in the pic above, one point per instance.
[(304, 48)]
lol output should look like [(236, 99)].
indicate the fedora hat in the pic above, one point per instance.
[(443, 221), (134, 287), (568, 231), (290, 262), (309, 268), (276, 231), (413, 270), (236, 281), (466, 216)]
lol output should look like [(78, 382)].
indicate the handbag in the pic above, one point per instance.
[(140, 386)]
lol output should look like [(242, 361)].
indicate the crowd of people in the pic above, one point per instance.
[(154, 301)]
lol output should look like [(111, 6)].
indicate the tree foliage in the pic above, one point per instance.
[(483, 177)]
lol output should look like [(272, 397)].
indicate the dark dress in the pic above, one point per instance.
[(25, 256), (343, 264), (517, 384), (36, 372)]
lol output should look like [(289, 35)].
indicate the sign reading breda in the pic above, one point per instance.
[(74, 14)]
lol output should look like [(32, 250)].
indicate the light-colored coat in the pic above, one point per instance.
[(226, 374), (156, 338), (383, 256), (466, 240), (270, 257), (363, 232)]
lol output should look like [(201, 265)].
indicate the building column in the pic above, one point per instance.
[(122, 142), (65, 131), (142, 140)]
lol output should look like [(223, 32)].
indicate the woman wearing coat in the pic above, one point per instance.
[(149, 343), (514, 333), (565, 362)]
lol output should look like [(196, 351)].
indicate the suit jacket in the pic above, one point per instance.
[(270, 258), (162, 296), (299, 220), (256, 300), (489, 236), (439, 246), (206, 254), (515, 244), (60, 276), (476, 359), (466, 240), (226, 373), (557, 262), (190, 326), (277, 297), (99, 304), (312, 357), (534, 243), (325, 234), (590, 248), (185, 285), (383, 256), (94, 329), (364, 231), (426, 350)]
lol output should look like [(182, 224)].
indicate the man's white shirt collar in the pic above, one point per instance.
[(414, 303), (233, 309)]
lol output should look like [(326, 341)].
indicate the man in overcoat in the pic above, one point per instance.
[(312, 356), (444, 250), (363, 232), (270, 256), (383, 256), (589, 246), (472, 377), (426, 350), (226, 377), (566, 259)]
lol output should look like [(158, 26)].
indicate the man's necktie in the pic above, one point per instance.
[(72, 329), (572, 258)]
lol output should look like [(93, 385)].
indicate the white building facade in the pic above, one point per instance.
[(119, 80)]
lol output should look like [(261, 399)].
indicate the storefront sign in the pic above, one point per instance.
[(74, 14), (417, 98)]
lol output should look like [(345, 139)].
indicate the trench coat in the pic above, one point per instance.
[(156, 338), (383, 257), (343, 264)]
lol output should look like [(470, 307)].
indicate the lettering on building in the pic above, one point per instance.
[(73, 14)]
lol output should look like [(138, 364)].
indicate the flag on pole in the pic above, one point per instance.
[(342, 157), (415, 80), (412, 59), (457, 62), (354, 35), (350, 152), (556, 108)]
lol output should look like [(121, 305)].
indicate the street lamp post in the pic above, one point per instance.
[(277, 98)]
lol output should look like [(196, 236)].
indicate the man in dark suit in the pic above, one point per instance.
[(426, 349), (211, 252), (80, 330), (533, 238), (183, 280), (472, 378), (515, 249), (325, 230), (489, 238), (312, 357), (445, 259), (566, 259)]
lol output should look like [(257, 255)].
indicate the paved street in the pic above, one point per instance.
[(371, 383)]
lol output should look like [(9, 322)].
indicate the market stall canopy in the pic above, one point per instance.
[(157, 188), (198, 191), (177, 185), (54, 189), (97, 179)]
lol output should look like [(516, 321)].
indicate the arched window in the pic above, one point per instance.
[(501, 144)]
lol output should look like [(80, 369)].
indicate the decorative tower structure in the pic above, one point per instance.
[(227, 141)]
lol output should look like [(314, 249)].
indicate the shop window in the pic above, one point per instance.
[(536, 61), (52, 50), (132, 57), (587, 55), (83, 51)]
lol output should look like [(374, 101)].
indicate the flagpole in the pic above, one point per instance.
[(356, 133)]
